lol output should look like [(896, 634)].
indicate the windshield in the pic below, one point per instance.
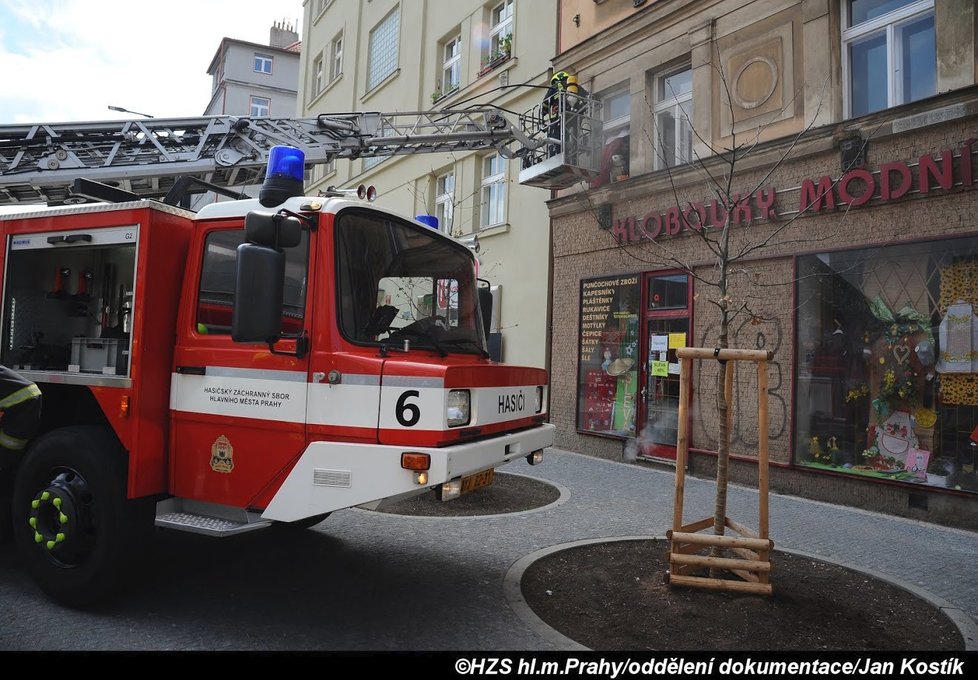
[(399, 284)]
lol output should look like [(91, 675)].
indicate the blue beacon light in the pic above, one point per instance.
[(284, 176)]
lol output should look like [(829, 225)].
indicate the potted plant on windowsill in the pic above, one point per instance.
[(438, 94), (497, 56)]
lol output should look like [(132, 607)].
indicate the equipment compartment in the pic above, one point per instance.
[(67, 303)]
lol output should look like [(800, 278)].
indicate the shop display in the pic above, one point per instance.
[(608, 353), (887, 380)]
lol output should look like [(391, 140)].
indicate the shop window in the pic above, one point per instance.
[(887, 363), (889, 52), (668, 292), (608, 361)]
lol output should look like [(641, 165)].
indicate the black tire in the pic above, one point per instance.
[(302, 524), (75, 530)]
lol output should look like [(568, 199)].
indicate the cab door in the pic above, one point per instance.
[(237, 410)]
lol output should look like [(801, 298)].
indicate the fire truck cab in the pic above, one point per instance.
[(261, 361)]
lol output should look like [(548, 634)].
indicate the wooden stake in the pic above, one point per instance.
[(720, 584), (682, 441)]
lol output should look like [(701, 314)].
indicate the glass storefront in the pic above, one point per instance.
[(887, 363), (608, 362)]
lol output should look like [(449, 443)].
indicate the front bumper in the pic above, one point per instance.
[(334, 475)]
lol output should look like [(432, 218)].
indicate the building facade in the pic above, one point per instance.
[(827, 146), (394, 56), (256, 80)]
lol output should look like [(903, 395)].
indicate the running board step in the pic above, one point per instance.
[(206, 518)]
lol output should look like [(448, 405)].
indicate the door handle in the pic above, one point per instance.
[(192, 370)]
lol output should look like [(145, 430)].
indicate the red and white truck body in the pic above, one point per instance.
[(379, 386)]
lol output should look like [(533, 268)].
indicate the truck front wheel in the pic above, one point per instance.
[(73, 525)]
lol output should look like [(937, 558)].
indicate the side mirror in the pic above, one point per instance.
[(273, 230), (259, 286)]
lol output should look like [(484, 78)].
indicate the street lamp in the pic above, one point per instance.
[(122, 110)]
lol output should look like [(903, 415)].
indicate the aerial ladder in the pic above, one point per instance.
[(169, 158)]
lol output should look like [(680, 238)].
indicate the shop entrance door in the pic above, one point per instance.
[(667, 328)]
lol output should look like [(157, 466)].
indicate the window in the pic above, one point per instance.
[(493, 190), (673, 118), (451, 72), (215, 298), (317, 78), (263, 63), (445, 201), (260, 106), (886, 363), (322, 5), (336, 58), (501, 30), (382, 57), (889, 52), (608, 355), (616, 112)]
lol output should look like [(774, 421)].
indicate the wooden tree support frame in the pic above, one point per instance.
[(748, 551)]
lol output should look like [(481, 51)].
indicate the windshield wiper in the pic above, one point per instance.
[(466, 341)]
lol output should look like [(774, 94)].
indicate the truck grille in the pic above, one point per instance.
[(322, 477)]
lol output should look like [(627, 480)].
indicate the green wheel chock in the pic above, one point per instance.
[(45, 495), (63, 518), (56, 503), (37, 537), (33, 522)]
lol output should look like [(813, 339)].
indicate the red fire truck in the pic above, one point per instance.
[(257, 362)]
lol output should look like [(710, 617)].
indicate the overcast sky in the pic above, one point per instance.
[(67, 60)]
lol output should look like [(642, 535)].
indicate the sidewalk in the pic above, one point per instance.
[(608, 498)]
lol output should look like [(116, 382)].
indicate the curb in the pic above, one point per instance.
[(966, 626)]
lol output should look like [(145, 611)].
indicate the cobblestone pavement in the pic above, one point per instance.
[(374, 581)]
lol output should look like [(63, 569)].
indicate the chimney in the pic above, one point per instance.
[(282, 35)]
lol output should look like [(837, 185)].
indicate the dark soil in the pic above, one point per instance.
[(612, 596), (507, 493)]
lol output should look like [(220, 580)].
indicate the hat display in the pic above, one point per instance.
[(620, 366)]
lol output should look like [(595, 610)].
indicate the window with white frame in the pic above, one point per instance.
[(889, 52), (382, 55), (616, 109), (493, 190), (501, 29), (318, 81), (451, 69), (673, 118), (321, 5), (260, 106), (336, 58), (263, 63), (445, 201)]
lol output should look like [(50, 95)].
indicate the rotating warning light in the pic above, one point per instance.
[(283, 178)]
